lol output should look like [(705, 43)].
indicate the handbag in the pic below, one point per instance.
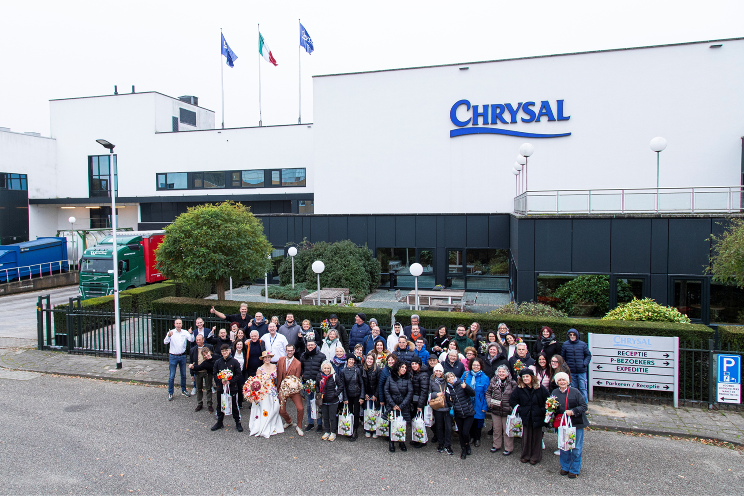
[(514, 426), (559, 418), (226, 400), (437, 402), (566, 435)]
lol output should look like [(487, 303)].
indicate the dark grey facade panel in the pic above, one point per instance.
[(514, 238), (659, 289), (630, 246), (357, 230), (278, 230), (385, 231), (689, 245), (590, 245), (307, 231), (426, 230), (498, 231), (455, 231), (405, 231), (526, 244), (659, 246), (338, 228), (526, 285), (552, 245), (477, 234), (371, 233)]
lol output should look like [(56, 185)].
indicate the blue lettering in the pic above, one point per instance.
[(497, 114), (513, 112), (483, 115), (560, 112), (527, 110), (453, 113), (545, 110)]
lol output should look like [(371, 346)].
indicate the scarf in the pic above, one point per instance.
[(546, 341), (323, 380), (414, 337), (339, 361)]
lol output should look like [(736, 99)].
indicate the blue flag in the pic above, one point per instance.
[(305, 41), (228, 53)]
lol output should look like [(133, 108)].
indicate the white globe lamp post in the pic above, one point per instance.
[(658, 145), (318, 268), (525, 151), (416, 270), (292, 252)]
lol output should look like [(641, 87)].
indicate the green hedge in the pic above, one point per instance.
[(198, 289), (733, 336), (525, 325), (102, 304), (143, 296)]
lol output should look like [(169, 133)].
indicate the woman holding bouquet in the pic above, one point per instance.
[(380, 354), (398, 395), (498, 396), (265, 420), (530, 396), (572, 404)]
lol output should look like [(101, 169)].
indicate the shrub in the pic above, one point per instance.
[(346, 266), (646, 310), (528, 308), (98, 307), (286, 292), (589, 295), (143, 296), (194, 289)]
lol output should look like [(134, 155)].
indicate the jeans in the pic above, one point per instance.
[(578, 381), (464, 424), (443, 423), (330, 421), (173, 361), (571, 460), (310, 399)]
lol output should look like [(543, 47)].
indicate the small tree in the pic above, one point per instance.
[(727, 261), (213, 243)]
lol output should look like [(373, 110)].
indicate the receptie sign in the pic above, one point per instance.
[(634, 362), (728, 377)]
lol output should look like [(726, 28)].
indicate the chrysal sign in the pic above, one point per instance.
[(479, 119)]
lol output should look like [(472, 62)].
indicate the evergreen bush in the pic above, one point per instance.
[(646, 310)]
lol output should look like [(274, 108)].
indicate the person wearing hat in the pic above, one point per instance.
[(311, 361), (359, 331), (265, 419), (572, 404), (226, 361), (392, 339), (340, 329), (530, 396), (442, 422), (351, 379), (420, 381)]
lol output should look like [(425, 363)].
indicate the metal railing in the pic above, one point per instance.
[(18, 273), (723, 199)]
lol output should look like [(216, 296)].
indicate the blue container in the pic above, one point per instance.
[(32, 258)]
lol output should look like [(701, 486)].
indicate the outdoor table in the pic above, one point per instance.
[(327, 296), (450, 295)]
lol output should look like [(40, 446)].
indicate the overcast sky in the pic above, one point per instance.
[(54, 49)]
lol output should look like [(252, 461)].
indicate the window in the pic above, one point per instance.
[(100, 218), (276, 178), (13, 181), (174, 124), (236, 179), (306, 207), (253, 179), (455, 270), (214, 179), (99, 169), (487, 269), (187, 117), (578, 295), (293, 177), (726, 303), (688, 297), (172, 180), (198, 179)]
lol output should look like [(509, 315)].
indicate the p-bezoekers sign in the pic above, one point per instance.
[(472, 119)]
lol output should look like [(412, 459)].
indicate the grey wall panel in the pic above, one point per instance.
[(590, 245), (338, 228), (498, 231), (477, 231), (552, 244), (526, 244), (357, 229), (279, 236), (659, 245), (440, 255), (631, 246), (385, 231), (319, 229), (659, 289), (307, 231), (426, 231), (689, 247), (371, 233), (514, 239), (454, 231), (526, 285), (405, 231), (299, 232)]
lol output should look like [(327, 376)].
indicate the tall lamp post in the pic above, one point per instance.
[(115, 272), (526, 150), (318, 268), (416, 270), (658, 145), (292, 252), (72, 235), (266, 283), (520, 164)]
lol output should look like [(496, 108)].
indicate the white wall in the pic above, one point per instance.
[(31, 155), (386, 135)]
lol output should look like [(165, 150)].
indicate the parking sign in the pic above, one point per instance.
[(728, 378)]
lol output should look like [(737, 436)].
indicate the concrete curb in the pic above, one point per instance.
[(609, 428), (93, 376)]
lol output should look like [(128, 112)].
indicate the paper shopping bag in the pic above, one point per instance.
[(514, 424), (346, 422), (418, 429), (397, 427)]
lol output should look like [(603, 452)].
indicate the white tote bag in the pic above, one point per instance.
[(418, 429), (566, 434), (226, 400), (397, 427), (370, 417), (514, 424), (428, 416), (346, 422), (313, 408)]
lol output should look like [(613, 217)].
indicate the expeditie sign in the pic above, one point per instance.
[(478, 119), (728, 373), (634, 362)]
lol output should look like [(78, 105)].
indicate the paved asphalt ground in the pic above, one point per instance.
[(18, 312), (71, 435)]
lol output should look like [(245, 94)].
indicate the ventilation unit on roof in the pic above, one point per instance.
[(189, 99)]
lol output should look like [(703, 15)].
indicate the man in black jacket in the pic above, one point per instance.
[(352, 384), (228, 362), (311, 361), (202, 378)]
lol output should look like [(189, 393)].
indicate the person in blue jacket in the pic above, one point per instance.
[(577, 356), (478, 381), (359, 331), (385, 372), (369, 341), (420, 350)]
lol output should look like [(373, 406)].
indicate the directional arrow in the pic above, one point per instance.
[(599, 367), (666, 387), (666, 355), (723, 398), (599, 383), (666, 363)]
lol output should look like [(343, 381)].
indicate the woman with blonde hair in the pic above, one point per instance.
[(328, 391)]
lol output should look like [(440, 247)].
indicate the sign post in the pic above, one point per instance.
[(634, 362), (728, 377)]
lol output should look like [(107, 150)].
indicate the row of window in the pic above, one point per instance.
[(258, 178), (13, 181), (99, 175)]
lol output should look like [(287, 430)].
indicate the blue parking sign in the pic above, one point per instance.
[(729, 378)]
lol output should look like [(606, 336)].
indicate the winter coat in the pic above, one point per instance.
[(311, 362), (576, 403), (352, 382), (406, 354), (553, 348), (531, 405), (369, 343), (332, 391), (342, 334), (490, 366), (441, 342), (438, 386), (407, 331), (420, 381), (480, 405), (458, 368), (329, 349), (382, 379), (500, 393), (399, 392), (543, 376), (358, 333), (422, 354), (217, 343), (392, 339), (525, 361), (459, 398), (463, 342), (576, 354), (371, 378), (235, 381)]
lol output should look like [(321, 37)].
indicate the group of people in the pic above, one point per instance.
[(456, 381)]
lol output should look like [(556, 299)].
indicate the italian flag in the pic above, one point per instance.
[(264, 50)]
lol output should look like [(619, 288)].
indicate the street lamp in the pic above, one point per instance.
[(416, 270), (115, 272), (518, 168), (266, 282), (72, 235), (526, 150), (292, 252), (516, 181), (519, 165), (318, 268), (658, 145)]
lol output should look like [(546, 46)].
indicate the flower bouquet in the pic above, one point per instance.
[(551, 406), (483, 348), (325, 326), (518, 366), (225, 375), (309, 386), (290, 385), (257, 387)]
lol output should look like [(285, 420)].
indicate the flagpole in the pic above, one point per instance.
[(222, 80), (259, 76), (299, 61)]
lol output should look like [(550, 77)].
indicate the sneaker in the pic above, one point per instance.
[(193, 391), (170, 397), (440, 449), (449, 451), (310, 427), (299, 431), (185, 393), (325, 436), (543, 443), (289, 424), (507, 453), (367, 434), (494, 450), (375, 436), (557, 452), (332, 437)]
